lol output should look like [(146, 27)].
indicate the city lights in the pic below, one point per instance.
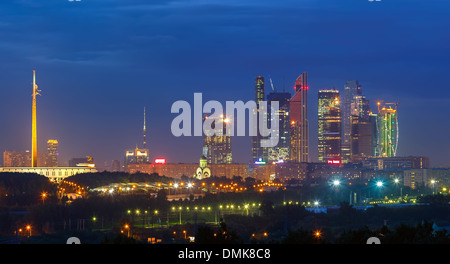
[(336, 183), (223, 154)]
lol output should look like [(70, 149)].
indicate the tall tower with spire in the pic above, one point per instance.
[(34, 128)]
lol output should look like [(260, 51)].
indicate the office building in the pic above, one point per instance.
[(351, 89), (387, 130), (258, 152), (384, 163), (329, 125), (299, 120), (217, 148), (282, 151), (361, 136), (52, 148), (136, 156)]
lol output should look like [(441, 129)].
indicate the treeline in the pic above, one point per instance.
[(97, 179), (23, 189)]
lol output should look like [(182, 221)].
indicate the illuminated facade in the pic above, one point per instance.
[(329, 125), (82, 162), (177, 170), (136, 156), (387, 130), (202, 171), (259, 152), (361, 136), (217, 148), (52, 148), (55, 174), (34, 160), (282, 151), (299, 121), (351, 89)]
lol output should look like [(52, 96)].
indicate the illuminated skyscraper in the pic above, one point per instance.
[(283, 149), (330, 128), (351, 89), (258, 152), (299, 120), (373, 127), (361, 134), (218, 147), (52, 148), (387, 130)]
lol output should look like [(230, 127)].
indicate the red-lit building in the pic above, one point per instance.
[(299, 121)]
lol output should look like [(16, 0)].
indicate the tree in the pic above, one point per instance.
[(267, 208)]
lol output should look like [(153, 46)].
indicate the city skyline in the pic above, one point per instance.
[(93, 93)]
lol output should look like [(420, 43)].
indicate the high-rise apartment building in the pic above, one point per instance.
[(329, 125), (52, 148), (217, 148), (299, 120), (282, 151), (351, 89), (387, 130)]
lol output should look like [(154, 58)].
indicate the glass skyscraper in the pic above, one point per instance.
[(217, 148), (283, 149), (351, 89), (387, 130), (299, 120), (329, 125), (259, 153)]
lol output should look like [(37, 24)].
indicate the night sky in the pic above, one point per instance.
[(100, 62)]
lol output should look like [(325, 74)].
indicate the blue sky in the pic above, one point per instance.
[(99, 63)]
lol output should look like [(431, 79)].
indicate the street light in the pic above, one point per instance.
[(433, 182), (127, 227), (336, 183), (43, 195), (29, 228)]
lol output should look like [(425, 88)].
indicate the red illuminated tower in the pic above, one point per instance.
[(299, 120)]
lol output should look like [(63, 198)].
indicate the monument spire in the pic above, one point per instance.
[(34, 129)]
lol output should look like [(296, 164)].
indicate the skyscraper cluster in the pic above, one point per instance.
[(348, 130)]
